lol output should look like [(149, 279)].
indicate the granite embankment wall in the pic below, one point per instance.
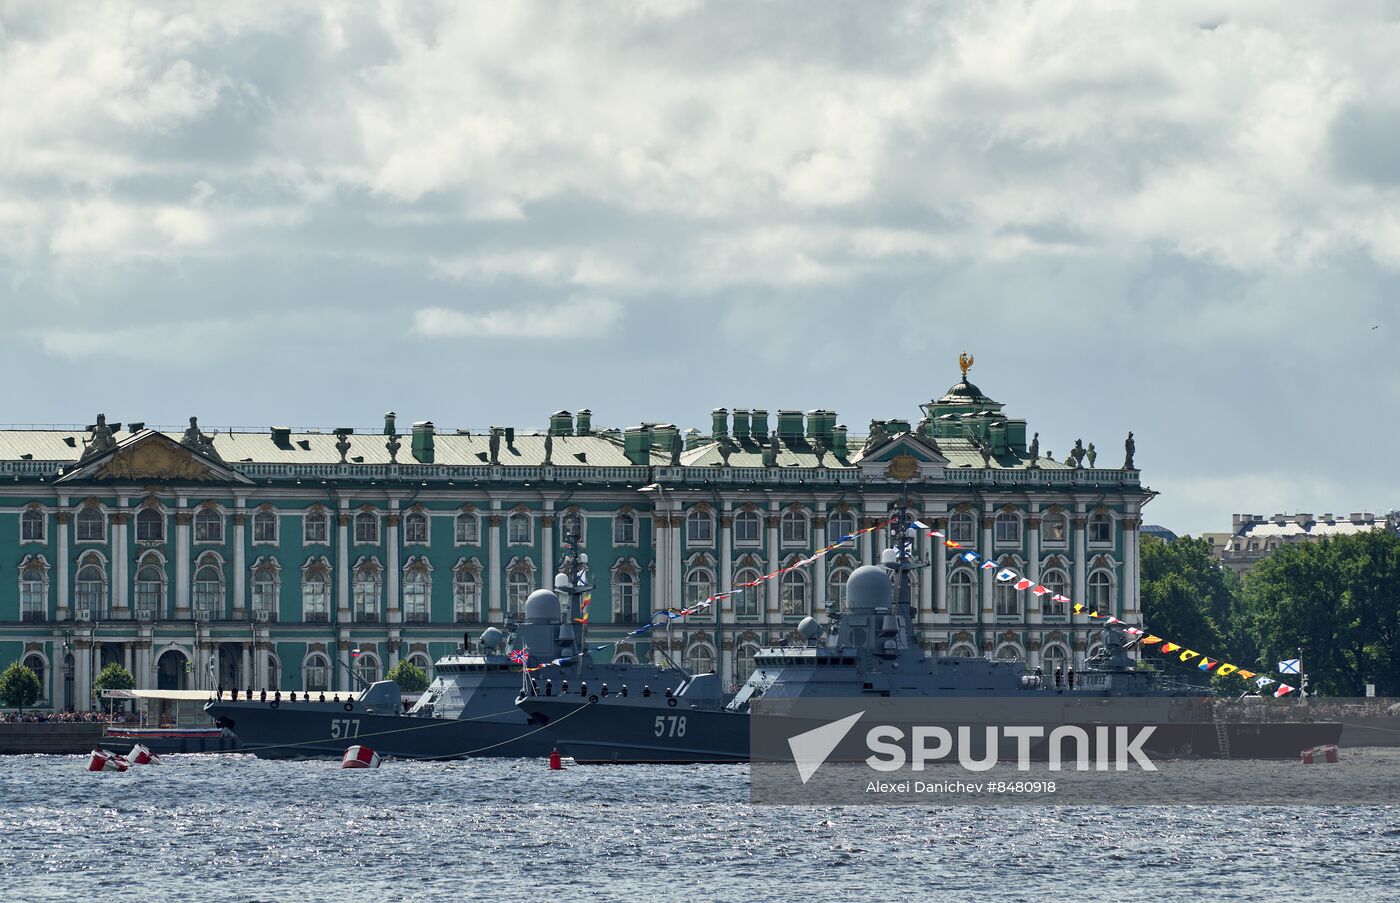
[(59, 738)]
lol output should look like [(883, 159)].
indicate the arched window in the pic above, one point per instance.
[(266, 580), (1053, 658), (572, 525), (1100, 592), (209, 586), (467, 529), (265, 526), (316, 592), (962, 650), (415, 594), (1053, 529), (842, 523), (315, 673), (1005, 599), (150, 525), (518, 589), (316, 527), (625, 529), (960, 586), (747, 527), (274, 672), (90, 586), (699, 527), (699, 586), (518, 529), (962, 527), (89, 525), (743, 662), (367, 528), (1055, 582), (624, 658), (1100, 530), (31, 525), (746, 597), (35, 663), (208, 525), (150, 587), (422, 663), (624, 586), (1008, 529), (1008, 653), (466, 595), (415, 527), (836, 587), (794, 593), (794, 528), (34, 591), (366, 592), (367, 667), (700, 659)]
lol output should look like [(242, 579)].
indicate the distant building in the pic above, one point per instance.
[(1255, 537), (1159, 532)]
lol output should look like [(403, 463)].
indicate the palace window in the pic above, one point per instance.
[(699, 586), (466, 596), (746, 527), (836, 588), (1008, 653), (316, 674), (962, 527), (1053, 529), (90, 586), (1100, 529), (265, 587), (624, 597), (415, 595), (415, 527), (315, 527), (316, 593), (1006, 599), (150, 586), (700, 659), (1055, 582), (366, 593), (265, 526), (960, 587), (367, 667), (794, 593), (366, 528), (518, 529), (1100, 592), (35, 663), (1053, 658), (466, 529), (208, 525), (572, 524), (150, 525), (842, 523), (31, 525), (743, 662), (1008, 529), (209, 585), (699, 528), (746, 598), (624, 529), (34, 592), (518, 589), (794, 524)]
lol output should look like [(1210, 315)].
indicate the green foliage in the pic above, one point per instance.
[(1188, 597), (113, 677), (19, 686), (1339, 600), (408, 676)]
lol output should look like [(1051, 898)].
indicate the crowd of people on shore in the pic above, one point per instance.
[(70, 718)]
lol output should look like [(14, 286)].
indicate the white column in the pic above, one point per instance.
[(1033, 602), (989, 575), (182, 561), (342, 564), (547, 544), (867, 540), (1131, 566), (494, 577), (250, 676), (1079, 620), (120, 531), (677, 572), (395, 644), (55, 688), (127, 661), (63, 518), (82, 673), (819, 591), (395, 574), (660, 556), (240, 561), (927, 577), (726, 562), (940, 573), (774, 586), (342, 680)]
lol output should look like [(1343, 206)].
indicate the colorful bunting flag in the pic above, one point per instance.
[(1039, 590), (1226, 668), (988, 565), (1150, 639), (1023, 583), (1245, 675), (1283, 690), (1189, 654), (970, 557), (952, 545), (1077, 607), (1169, 648), (1263, 682), (1005, 575), (1206, 664)]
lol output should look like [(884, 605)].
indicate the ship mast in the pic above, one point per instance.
[(900, 559), (575, 582)]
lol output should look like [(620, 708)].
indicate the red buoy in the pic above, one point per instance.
[(1329, 753), (360, 757), (556, 761), (105, 760), (1307, 757), (140, 755)]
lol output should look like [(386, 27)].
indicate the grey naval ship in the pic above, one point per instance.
[(469, 709), (872, 650)]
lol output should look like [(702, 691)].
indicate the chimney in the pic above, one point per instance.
[(510, 437), (820, 424), (790, 426), (719, 423), (390, 427), (585, 423), (741, 425), (636, 444), (423, 441), (282, 436), (561, 423), (758, 424), (838, 441)]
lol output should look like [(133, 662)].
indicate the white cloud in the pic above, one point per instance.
[(573, 319)]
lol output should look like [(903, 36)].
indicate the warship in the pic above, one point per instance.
[(872, 651), (469, 709)]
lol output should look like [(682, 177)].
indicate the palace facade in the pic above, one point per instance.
[(286, 559)]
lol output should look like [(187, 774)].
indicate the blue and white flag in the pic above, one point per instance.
[(1291, 666), (1263, 682), (1006, 575), (970, 557), (920, 524)]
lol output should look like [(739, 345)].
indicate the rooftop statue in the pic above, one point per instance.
[(202, 442), (820, 449), (342, 443), (1129, 447), (1077, 456), (1093, 455), (677, 446), (393, 445), (877, 435), (548, 449), (101, 440), (726, 448), (494, 444), (1035, 450)]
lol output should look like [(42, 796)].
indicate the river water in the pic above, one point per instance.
[(233, 827)]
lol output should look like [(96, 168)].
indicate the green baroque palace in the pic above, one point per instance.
[(288, 559)]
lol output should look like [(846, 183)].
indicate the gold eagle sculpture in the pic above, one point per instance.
[(965, 362)]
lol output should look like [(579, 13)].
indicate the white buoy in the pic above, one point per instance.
[(140, 755), (106, 760), (360, 757)]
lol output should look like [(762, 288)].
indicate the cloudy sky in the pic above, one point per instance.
[(1177, 218)]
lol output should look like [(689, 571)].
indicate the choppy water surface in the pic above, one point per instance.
[(234, 827)]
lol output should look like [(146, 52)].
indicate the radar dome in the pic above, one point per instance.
[(542, 606), (868, 588), (809, 628), (491, 638)]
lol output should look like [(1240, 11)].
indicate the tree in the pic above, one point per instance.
[(113, 677), (408, 676), (1338, 600), (1188, 598), (19, 686)]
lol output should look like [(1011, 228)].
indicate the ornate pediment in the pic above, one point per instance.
[(152, 457), (903, 457)]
